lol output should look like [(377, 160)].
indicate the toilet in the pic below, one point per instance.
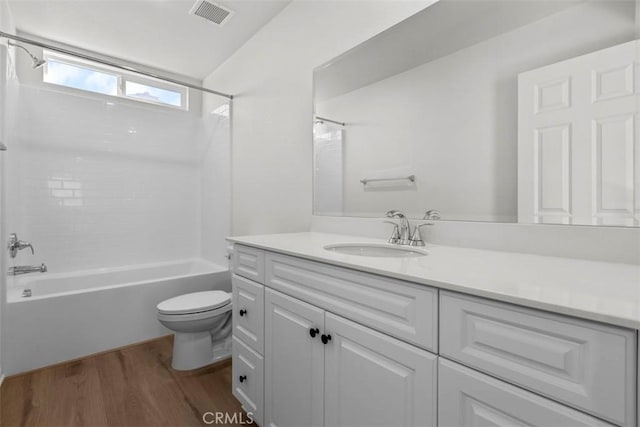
[(199, 320)]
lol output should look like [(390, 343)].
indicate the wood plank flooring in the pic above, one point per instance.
[(131, 386)]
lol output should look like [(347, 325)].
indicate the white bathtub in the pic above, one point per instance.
[(70, 315)]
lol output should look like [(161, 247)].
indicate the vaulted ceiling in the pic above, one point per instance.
[(157, 33)]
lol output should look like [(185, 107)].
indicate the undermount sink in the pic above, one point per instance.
[(380, 250)]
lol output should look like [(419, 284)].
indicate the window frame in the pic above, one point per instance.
[(122, 78)]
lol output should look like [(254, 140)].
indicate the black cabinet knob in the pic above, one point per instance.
[(242, 378), (242, 312), (313, 332), (325, 338)]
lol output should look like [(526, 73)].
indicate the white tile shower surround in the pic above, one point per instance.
[(120, 184), (601, 291)]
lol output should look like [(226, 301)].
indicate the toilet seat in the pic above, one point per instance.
[(194, 303), (190, 317)]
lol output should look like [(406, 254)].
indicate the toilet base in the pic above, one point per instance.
[(192, 350)]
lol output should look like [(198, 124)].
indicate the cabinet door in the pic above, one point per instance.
[(468, 398), (294, 362), (577, 362), (248, 379), (372, 379), (248, 312)]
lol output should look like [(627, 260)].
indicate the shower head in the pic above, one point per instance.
[(37, 62)]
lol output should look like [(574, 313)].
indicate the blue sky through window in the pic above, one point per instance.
[(137, 90), (73, 73), (81, 78)]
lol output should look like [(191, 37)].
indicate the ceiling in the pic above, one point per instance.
[(156, 33)]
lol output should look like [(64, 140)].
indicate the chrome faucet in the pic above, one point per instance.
[(25, 269), (404, 236), (405, 227), (16, 245)]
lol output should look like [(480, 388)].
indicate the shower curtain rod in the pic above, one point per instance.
[(111, 64), (323, 119)]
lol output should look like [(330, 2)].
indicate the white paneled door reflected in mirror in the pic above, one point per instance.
[(486, 111)]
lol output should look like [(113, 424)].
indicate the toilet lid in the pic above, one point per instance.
[(194, 302)]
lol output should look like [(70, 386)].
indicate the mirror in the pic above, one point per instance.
[(505, 111)]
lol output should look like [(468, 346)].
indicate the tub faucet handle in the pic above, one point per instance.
[(16, 245)]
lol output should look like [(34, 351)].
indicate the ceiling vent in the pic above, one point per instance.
[(212, 12)]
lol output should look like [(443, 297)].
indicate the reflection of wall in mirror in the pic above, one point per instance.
[(454, 120), (327, 169)]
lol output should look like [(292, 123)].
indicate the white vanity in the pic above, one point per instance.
[(458, 337)]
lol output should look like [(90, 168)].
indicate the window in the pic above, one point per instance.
[(66, 70)]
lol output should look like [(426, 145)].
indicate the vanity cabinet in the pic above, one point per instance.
[(322, 369), (470, 398), (248, 337), (586, 365), (372, 379), (341, 347), (294, 362), (404, 310), (248, 312), (248, 378)]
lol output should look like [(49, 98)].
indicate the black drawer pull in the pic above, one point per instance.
[(242, 378), (242, 312), (313, 332), (325, 338)]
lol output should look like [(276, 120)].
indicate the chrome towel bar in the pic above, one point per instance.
[(411, 178)]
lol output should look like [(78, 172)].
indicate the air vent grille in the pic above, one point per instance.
[(211, 11)]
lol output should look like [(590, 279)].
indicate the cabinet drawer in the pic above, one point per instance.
[(469, 398), (405, 310), (584, 364), (248, 379), (248, 262), (248, 312)]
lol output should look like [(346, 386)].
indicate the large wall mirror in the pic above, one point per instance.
[(505, 111)]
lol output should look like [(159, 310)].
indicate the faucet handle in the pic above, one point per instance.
[(416, 238), (395, 234), (395, 214), (431, 214), (23, 245)]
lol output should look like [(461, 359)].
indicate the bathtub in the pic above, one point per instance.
[(71, 315)]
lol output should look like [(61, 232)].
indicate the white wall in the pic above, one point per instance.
[(271, 76), (453, 121), (6, 73)]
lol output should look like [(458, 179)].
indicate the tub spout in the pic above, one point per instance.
[(25, 269)]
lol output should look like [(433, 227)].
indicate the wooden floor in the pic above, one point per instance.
[(132, 386)]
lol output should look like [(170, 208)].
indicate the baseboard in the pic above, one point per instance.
[(1, 379)]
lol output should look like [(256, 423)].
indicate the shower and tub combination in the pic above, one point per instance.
[(121, 183)]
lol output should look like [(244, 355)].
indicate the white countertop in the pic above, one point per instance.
[(602, 291)]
